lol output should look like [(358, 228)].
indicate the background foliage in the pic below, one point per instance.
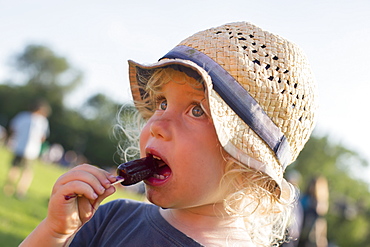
[(39, 72), (349, 197)]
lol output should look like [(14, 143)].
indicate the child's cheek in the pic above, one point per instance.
[(144, 136)]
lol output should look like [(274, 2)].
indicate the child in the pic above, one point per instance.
[(227, 110)]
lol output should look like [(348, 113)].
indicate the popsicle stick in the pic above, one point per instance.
[(118, 181)]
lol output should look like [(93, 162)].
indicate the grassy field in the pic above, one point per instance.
[(19, 217)]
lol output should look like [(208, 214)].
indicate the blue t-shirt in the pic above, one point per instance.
[(130, 223)]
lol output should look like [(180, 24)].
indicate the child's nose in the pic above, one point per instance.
[(161, 128)]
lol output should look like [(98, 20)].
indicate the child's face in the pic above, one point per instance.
[(183, 136)]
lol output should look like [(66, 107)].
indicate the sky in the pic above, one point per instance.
[(98, 37)]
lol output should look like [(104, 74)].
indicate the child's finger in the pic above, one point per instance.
[(87, 206), (78, 182), (98, 179), (80, 188), (111, 190), (104, 177)]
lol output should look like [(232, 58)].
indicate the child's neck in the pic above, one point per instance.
[(210, 227)]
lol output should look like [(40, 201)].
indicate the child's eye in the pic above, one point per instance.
[(162, 104), (197, 111)]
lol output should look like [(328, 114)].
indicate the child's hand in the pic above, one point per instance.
[(75, 197)]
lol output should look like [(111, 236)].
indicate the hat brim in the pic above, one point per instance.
[(135, 69)]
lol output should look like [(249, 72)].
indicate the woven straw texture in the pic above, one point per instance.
[(276, 74)]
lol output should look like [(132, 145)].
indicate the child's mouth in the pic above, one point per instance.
[(162, 173)]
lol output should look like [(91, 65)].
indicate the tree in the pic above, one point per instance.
[(44, 74), (99, 113), (42, 67)]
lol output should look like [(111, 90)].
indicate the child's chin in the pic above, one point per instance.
[(157, 198)]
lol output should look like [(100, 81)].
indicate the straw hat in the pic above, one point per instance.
[(260, 90)]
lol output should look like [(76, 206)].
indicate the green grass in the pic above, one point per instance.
[(19, 217)]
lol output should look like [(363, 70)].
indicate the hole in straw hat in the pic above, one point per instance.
[(251, 36), (263, 46), (271, 78), (242, 38), (257, 62), (275, 58), (267, 66)]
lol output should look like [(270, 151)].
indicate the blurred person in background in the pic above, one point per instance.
[(294, 230), (27, 131), (315, 203)]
